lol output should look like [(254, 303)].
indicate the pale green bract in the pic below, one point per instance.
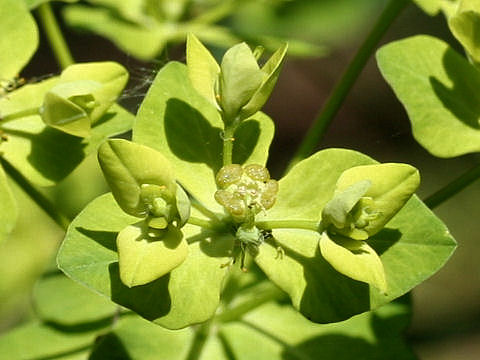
[(367, 197), (465, 25), (83, 94), (145, 255), (143, 185), (355, 259), (136, 174), (238, 87)]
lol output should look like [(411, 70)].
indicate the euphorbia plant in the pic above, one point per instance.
[(335, 224), (196, 231)]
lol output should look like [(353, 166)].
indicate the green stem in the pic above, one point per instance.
[(200, 207), (202, 223), (349, 77), (261, 294), (453, 187), (41, 200), (55, 36), (200, 338), (19, 115), (288, 224), (228, 140)]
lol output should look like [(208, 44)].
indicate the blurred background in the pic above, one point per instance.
[(446, 315)]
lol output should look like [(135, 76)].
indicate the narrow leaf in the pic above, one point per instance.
[(272, 70), (202, 67)]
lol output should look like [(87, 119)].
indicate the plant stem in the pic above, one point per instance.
[(41, 200), (453, 187), (19, 115), (288, 224), (261, 294), (200, 222), (228, 140), (55, 36), (349, 77), (200, 207), (199, 340)]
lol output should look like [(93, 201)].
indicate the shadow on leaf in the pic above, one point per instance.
[(385, 239), (107, 239), (53, 153), (328, 296), (246, 138), (463, 98), (151, 300), (109, 346), (191, 137), (213, 244)]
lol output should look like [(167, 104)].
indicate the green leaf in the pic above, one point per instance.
[(65, 107), (189, 294), (355, 259), (129, 167), (240, 77), (413, 245), (431, 7), (439, 89), (280, 333), (112, 77), (272, 71), (46, 155), (183, 206), (41, 341), (132, 339), (180, 123), (465, 25), (302, 196), (144, 255), (19, 38), (203, 69), (391, 187), (8, 207), (63, 301), (25, 254), (142, 42)]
